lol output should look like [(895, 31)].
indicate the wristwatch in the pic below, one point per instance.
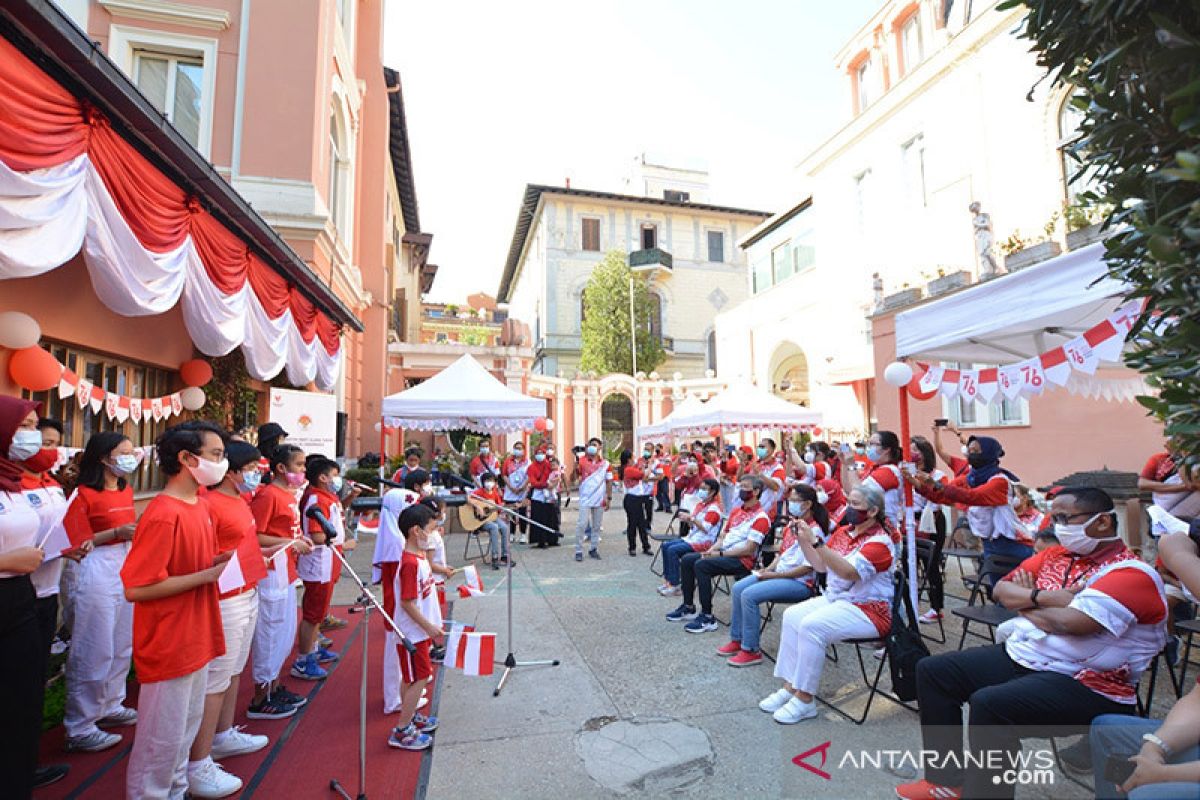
[(1033, 597), (721, 552), (1155, 740)]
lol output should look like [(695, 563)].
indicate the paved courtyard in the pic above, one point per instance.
[(638, 707)]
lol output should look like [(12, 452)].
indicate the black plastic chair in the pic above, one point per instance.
[(980, 609), (669, 534)]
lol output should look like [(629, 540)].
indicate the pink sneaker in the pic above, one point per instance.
[(731, 649), (746, 658)]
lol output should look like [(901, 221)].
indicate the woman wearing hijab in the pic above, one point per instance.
[(389, 547), (830, 495), (987, 492), (22, 669)]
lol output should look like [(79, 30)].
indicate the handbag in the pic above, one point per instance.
[(905, 647)]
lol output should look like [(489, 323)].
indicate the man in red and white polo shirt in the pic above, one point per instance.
[(771, 468), (1091, 620)]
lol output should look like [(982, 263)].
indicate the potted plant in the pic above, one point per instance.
[(1020, 252), (1083, 224), (947, 281), (905, 297)]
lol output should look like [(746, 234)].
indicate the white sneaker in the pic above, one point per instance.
[(210, 781), (423, 702), (929, 617), (237, 743), (123, 716), (775, 701), (794, 711), (93, 742), (523, 540)]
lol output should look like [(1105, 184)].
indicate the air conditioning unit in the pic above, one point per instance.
[(668, 343)]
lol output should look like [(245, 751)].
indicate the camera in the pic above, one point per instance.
[(577, 449)]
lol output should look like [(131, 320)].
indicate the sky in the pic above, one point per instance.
[(502, 94)]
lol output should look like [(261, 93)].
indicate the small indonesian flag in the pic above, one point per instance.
[(472, 586), (110, 405), (479, 653), (68, 383), (122, 408), (989, 384), (1056, 366), (97, 401), (244, 568), (950, 379), (456, 643)]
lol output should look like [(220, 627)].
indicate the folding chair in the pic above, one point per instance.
[(994, 568), (929, 556), (478, 544), (1191, 627), (669, 534)]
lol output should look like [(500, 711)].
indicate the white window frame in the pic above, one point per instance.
[(912, 23), (914, 147), (862, 78), (642, 229), (707, 249), (990, 415), (124, 41), (343, 222)]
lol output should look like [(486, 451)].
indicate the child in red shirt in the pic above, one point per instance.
[(319, 569), (419, 618), (170, 576)]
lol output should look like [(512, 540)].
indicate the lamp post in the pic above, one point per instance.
[(632, 327), (899, 374)]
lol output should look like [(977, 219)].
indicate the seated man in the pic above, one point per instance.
[(1164, 756), (485, 500), (1091, 620), (732, 554), (705, 521)]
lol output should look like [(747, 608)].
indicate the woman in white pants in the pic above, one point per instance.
[(100, 510), (858, 559)]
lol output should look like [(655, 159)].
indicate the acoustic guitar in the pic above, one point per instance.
[(471, 519)]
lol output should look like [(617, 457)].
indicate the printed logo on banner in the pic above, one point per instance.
[(1081, 356), (932, 379), (176, 404), (135, 409), (156, 409), (83, 393), (110, 405), (1055, 366), (1010, 381), (968, 384), (1033, 379)]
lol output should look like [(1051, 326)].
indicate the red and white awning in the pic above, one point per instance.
[(69, 182)]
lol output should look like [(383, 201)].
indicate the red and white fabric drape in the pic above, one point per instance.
[(68, 182)]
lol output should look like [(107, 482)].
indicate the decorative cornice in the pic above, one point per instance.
[(212, 19)]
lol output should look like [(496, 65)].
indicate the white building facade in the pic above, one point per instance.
[(939, 120)]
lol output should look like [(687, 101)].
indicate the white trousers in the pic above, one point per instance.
[(587, 526), (101, 641), (391, 674), (238, 615), (808, 628), (169, 715), (275, 633)]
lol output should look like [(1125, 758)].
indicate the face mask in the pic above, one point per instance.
[(795, 508), (540, 457), (549, 453), (646, 454), (42, 460), (25, 444), (702, 494), (441, 522), (124, 464), (483, 451), (489, 485), (1075, 538), (294, 479), (854, 516), (427, 489), (249, 481), (335, 484), (861, 450), (746, 495), (591, 450), (207, 473), (762, 452), (822, 496), (964, 449), (874, 453), (809, 456), (977, 460), (518, 453)]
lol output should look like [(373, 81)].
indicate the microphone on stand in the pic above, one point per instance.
[(392, 484), (326, 526)]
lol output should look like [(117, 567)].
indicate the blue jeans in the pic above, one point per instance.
[(1119, 735), (672, 551), (748, 593), (498, 538), (1003, 546)]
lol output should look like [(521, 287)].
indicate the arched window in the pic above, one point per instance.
[(582, 306), (656, 321), (710, 346), (339, 174), (1070, 117)]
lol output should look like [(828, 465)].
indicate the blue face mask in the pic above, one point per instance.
[(795, 508), (874, 453), (335, 484), (762, 452), (591, 450), (540, 457), (249, 481)]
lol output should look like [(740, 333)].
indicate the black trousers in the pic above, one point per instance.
[(1006, 701), (22, 685), (663, 495), (694, 570), (648, 502), (636, 522), (546, 514), (931, 558)]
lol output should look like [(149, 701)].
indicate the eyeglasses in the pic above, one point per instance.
[(1065, 519)]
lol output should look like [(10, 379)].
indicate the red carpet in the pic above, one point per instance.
[(319, 743)]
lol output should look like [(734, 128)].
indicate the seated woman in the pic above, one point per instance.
[(858, 559), (788, 579), (704, 523)]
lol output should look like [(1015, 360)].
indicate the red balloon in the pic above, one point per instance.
[(196, 372), (817, 431), (34, 369), (714, 431), (914, 387), (539, 424)]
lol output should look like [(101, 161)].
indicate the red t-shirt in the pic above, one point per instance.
[(91, 512), (233, 524), (632, 475), (173, 636), (1160, 467), (276, 513), (494, 495)]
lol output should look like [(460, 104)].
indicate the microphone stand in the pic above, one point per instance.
[(366, 600), (510, 660)]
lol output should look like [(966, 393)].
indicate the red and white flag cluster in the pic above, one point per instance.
[(1033, 376), (117, 406), (472, 585), (473, 653)]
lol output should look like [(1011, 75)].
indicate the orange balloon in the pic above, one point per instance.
[(196, 372), (714, 431), (539, 424), (34, 369)]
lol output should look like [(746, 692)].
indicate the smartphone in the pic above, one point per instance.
[(941, 422), (1118, 769)]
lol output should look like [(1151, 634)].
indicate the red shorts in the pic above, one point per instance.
[(315, 605), (415, 666)]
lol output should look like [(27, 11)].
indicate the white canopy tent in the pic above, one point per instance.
[(1035, 316), (691, 404), (463, 395), (746, 407)]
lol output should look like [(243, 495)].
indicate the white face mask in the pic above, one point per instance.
[(489, 485), (124, 464), (335, 484), (795, 508), (1075, 538), (964, 449), (822, 496), (483, 451), (25, 444), (208, 473), (427, 489), (809, 456)]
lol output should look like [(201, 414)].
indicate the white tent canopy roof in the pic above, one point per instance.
[(1013, 317), (463, 395), (662, 429), (747, 407)]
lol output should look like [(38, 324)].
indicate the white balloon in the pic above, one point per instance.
[(193, 398), (18, 331), (378, 427), (549, 425), (898, 373)]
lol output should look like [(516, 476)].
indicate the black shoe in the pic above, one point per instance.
[(542, 546), (555, 543), (579, 556), (646, 551), (495, 565), (633, 553), (594, 554), (1078, 757), (282, 695), (48, 774)]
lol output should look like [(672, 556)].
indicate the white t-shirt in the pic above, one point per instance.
[(437, 544), (18, 524), (426, 599)]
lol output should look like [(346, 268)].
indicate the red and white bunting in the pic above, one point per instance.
[(1033, 377), (176, 404), (135, 409), (110, 405), (68, 384), (968, 384), (83, 393), (1055, 366), (989, 384), (156, 408), (1010, 381), (932, 379), (122, 408), (1081, 355), (97, 401)]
